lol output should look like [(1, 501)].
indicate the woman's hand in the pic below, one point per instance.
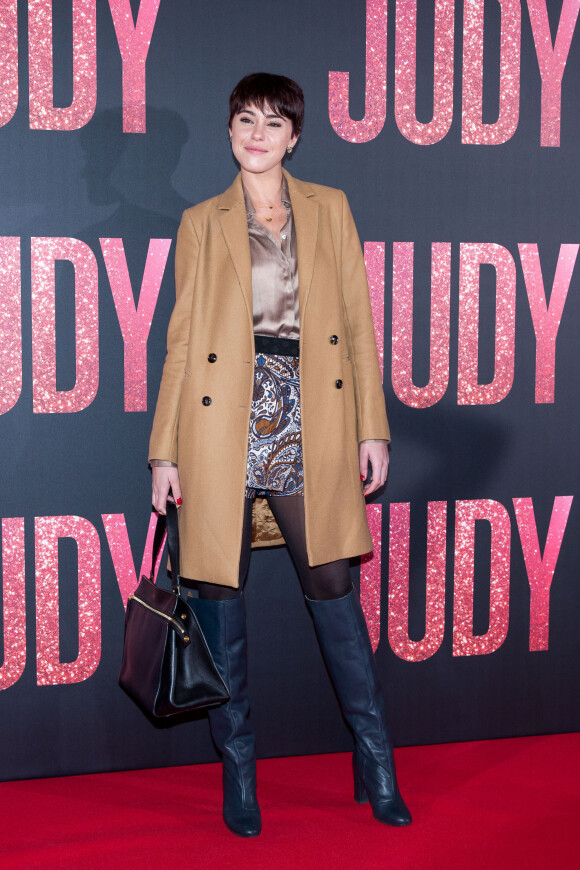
[(165, 478), (377, 453)]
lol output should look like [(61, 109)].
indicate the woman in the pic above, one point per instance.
[(270, 409)]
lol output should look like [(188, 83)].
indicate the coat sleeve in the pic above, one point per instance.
[(370, 400), (163, 442)]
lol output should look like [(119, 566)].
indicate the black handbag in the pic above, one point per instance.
[(167, 667)]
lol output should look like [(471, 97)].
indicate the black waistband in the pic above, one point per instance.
[(278, 346)]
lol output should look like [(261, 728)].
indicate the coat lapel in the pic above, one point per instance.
[(305, 214), (232, 217)]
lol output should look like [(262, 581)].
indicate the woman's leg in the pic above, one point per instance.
[(323, 582), (222, 616), (343, 637)]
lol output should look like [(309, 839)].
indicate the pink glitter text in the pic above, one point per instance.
[(540, 567), (134, 40), (471, 258), (47, 295), (50, 669), (402, 346), (46, 398), (135, 321), (551, 57), (546, 317)]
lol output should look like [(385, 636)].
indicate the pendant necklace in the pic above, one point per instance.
[(271, 207), (269, 219)]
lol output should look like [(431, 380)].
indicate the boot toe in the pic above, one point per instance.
[(393, 812), (244, 823)]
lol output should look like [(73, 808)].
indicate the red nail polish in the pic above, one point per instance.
[(362, 477), (177, 501)]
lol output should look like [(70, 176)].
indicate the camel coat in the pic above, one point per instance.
[(203, 411)]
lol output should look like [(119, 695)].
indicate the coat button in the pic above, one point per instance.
[(206, 400), (339, 384), (212, 357), (334, 339)]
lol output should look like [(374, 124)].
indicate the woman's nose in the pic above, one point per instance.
[(258, 131)]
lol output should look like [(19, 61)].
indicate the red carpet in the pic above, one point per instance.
[(494, 804)]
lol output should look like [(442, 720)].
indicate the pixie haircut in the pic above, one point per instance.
[(279, 93)]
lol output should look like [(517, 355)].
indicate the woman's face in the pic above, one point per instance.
[(260, 138)]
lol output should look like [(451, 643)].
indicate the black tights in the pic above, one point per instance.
[(322, 583)]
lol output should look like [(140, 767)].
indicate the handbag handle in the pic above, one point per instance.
[(169, 523)]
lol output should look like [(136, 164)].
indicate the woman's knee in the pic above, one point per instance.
[(327, 582), (213, 592)]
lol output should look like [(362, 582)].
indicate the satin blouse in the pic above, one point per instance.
[(274, 274)]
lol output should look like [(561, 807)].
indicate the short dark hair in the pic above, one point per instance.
[(281, 94)]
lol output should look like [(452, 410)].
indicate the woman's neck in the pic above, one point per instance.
[(263, 188)]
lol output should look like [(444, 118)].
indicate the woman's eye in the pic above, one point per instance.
[(275, 124), (245, 120)]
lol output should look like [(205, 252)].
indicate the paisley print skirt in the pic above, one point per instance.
[(274, 439)]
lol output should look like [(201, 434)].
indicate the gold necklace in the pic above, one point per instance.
[(271, 207), (268, 206)]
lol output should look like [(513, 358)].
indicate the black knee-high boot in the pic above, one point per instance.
[(342, 633), (224, 626)]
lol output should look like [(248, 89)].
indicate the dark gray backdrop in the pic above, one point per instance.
[(98, 182)]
